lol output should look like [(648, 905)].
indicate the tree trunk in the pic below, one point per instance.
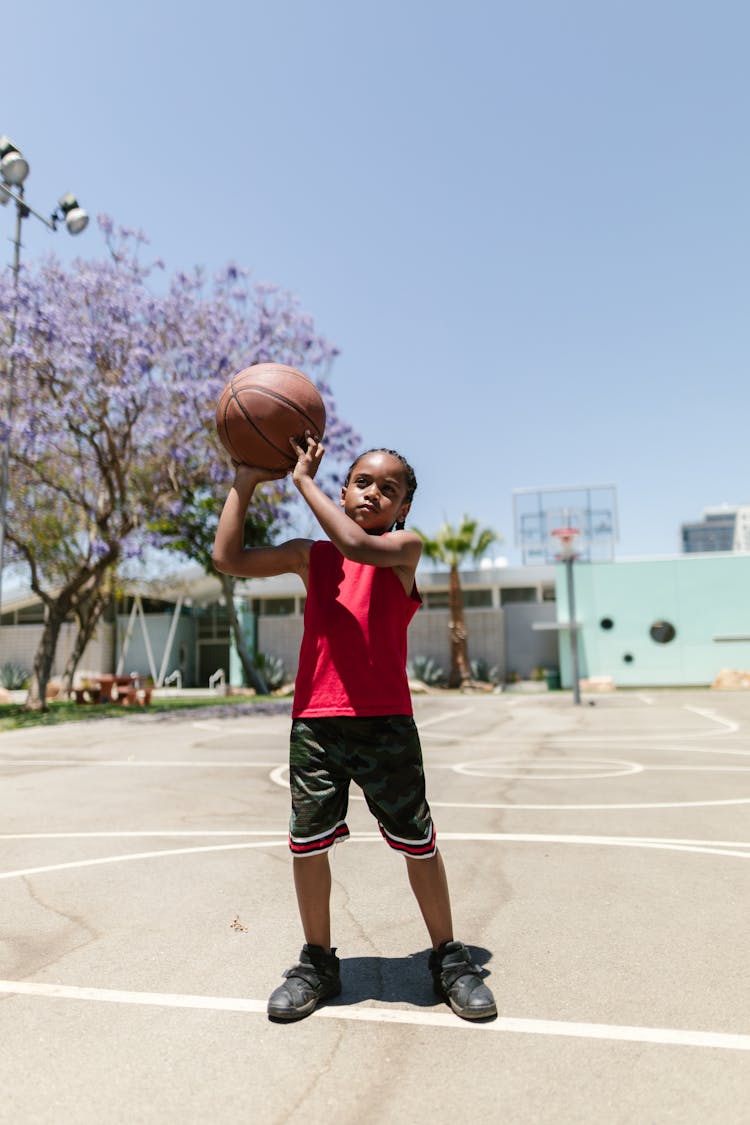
[(460, 672), (83, 588), (252, 674), (88, 615), (36, 700)]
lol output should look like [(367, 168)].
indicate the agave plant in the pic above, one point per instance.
[(483, 673), (13, 676), (426, 670), (271, 668)]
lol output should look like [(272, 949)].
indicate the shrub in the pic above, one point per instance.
[(483, 673), (427, 670), (13, 676), (271, 669)]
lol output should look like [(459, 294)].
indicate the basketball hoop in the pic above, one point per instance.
[(566, 537)]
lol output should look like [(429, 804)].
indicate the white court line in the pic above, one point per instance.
[(714, 718), (704, 769), (278, 777), (219, 728), (550, 738), (728, 725), (567, 769), (704, 847), (135, 763), (358, 837), (249, 728), (166, 832), (738, 850), (644, 744), (659, 1036), (138, 855), (585, 808), (444, 718)]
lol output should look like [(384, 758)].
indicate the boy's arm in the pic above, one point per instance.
[(401, 549), (230, 556)]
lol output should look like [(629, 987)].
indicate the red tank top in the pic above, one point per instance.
[(353, 655)]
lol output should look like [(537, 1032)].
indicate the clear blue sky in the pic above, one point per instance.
[(524, 224)]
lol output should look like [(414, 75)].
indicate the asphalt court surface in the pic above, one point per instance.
[(598, 864)]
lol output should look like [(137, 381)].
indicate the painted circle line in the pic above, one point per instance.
[(735, 849), (279, 777), (561, 769), (672, 1037)]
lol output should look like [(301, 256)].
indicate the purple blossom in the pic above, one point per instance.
[(115, 393)]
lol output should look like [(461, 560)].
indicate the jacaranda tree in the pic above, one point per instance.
[(254, 324), (112, 444)]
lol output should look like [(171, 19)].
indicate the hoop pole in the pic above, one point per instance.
[(573, 630)]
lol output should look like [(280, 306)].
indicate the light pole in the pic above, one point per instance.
[(14, 169)]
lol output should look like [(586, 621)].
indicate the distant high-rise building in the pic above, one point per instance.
[(726, 528)]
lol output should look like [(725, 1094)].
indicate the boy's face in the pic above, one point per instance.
[(375, 495)]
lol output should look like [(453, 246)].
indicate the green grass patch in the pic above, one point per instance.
[(13, 716)]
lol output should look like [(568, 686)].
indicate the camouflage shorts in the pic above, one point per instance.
[(383, 756)]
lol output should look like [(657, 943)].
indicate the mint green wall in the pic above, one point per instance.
[(702, 596)]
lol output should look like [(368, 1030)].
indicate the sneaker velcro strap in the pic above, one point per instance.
[(307, 973), (451, 973)]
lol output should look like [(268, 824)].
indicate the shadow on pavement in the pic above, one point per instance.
[(394, 979)]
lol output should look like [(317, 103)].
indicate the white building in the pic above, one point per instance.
[(180, 625)]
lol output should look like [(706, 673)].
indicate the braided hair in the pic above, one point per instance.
[(411, 479)]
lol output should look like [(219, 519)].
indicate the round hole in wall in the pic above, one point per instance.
[(628, 658), (606, 623), (662, 632)]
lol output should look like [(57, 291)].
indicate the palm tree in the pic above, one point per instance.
[(451, 546)]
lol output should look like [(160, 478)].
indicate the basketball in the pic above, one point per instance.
[(261, 408)]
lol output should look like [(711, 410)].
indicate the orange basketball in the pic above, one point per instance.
[(261, 408)]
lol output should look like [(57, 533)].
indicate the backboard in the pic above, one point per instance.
[(589, 509)]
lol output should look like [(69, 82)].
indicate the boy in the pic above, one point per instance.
[(352, 716)]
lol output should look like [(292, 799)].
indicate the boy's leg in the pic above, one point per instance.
[(454, 976), (312, 882), (319, 799), (316, 975), (430, 886)]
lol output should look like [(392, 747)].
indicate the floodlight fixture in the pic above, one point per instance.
[(14, 169), (76, 219), (13, 164)]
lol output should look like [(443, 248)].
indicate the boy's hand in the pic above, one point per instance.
[(247, 476), (309, 457)]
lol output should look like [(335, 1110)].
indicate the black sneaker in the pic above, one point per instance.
[(314, 978), (459, 981)]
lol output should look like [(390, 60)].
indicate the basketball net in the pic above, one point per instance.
[(565, 537)]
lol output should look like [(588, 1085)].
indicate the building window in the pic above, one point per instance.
[(549, 594), (436, 599), (512, 594), (471, 599), (213, 622), (277, 607), (477, 599), (31, 614), (662, 632)]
